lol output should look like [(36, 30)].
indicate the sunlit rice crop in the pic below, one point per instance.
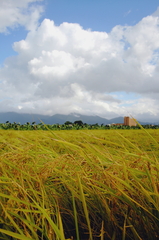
[(100, 184)]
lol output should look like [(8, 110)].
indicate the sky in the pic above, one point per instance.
[(91, 57)]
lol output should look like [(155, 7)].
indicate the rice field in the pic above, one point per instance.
[(79, 185)]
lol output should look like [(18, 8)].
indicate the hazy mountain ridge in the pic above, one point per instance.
[(23, 118)]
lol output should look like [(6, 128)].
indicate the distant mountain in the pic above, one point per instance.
[(59, 118), (19, 117), (23, 118), (117, 120)]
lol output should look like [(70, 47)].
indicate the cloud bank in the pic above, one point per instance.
[(65, 68)]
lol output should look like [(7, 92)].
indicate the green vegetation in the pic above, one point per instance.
[(80, 185), (77, 125)]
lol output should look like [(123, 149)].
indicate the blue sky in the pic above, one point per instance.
[(94, 57), (99, 15)]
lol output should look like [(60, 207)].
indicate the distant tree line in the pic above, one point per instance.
[(68, 126)]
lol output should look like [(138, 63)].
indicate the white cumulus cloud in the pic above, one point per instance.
[(19, 13), (65, 68)]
